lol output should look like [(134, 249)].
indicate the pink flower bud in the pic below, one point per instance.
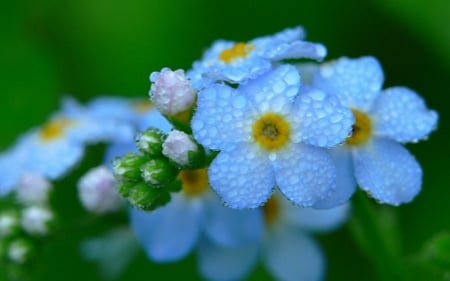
[(171, 92)]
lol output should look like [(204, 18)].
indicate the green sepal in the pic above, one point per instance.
[(150, 142), (128, 167), (158, 172)]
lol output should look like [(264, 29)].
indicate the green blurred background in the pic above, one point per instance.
[(94, 47)]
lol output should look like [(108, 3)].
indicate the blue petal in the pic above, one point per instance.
[(317, 220), (357, 82), (387, 171), (170, 232), (242, 177), (401, 114), (319, 119), (221, 117), (291, 256), (305, 174), (345, 179), (228, 227), (218, 263), (273, 91)]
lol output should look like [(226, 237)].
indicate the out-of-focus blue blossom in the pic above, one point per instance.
[(287, 249)]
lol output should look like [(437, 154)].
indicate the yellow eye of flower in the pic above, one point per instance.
[(271, 210), (194, 182), (361, 130), (54, 129), (271, 131), (239, 50)]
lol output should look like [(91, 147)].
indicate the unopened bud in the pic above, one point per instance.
[(33, 189), (147, 198), (180, 148), (158, 172), (97, 191), (150, 142), (36, 220), (171, 91), (128, 167)]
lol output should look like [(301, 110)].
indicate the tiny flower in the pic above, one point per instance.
[(97, 191), (270, 134), (33, 189), (171, 91), (236, 62), (384, 119), (174, 230), (287, 249), (36, 220), (9, 223), (178, 146), (20, 250)]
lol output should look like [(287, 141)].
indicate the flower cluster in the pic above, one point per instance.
[(240, 158)]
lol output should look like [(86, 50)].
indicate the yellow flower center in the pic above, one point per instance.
[(54, 129), (271, 131), (361, 130), (194, 182), (271, 210), (239, 50), (143, 106)]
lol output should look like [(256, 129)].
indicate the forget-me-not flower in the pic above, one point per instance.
[(270, 134), (287, 249), (236, 62), (384, 119)]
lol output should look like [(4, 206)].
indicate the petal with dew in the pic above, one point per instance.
[(243, 176), (319, 119), (387, 171), (305, 174), (273, 91), (220, 117), (345, 179), (356, 82), (401, 114)]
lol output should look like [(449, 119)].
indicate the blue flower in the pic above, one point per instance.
[(174, 230), (373, 156), (287, 249), (236, 62), (270, 135)]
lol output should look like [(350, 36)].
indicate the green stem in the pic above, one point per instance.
[(376, 239)]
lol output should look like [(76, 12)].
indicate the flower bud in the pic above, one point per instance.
[(150, 142), (171, 91), (147, 198), (33, 189), (36, 220), (158, 172), (128, 167), (178, 147), (97, 191)]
